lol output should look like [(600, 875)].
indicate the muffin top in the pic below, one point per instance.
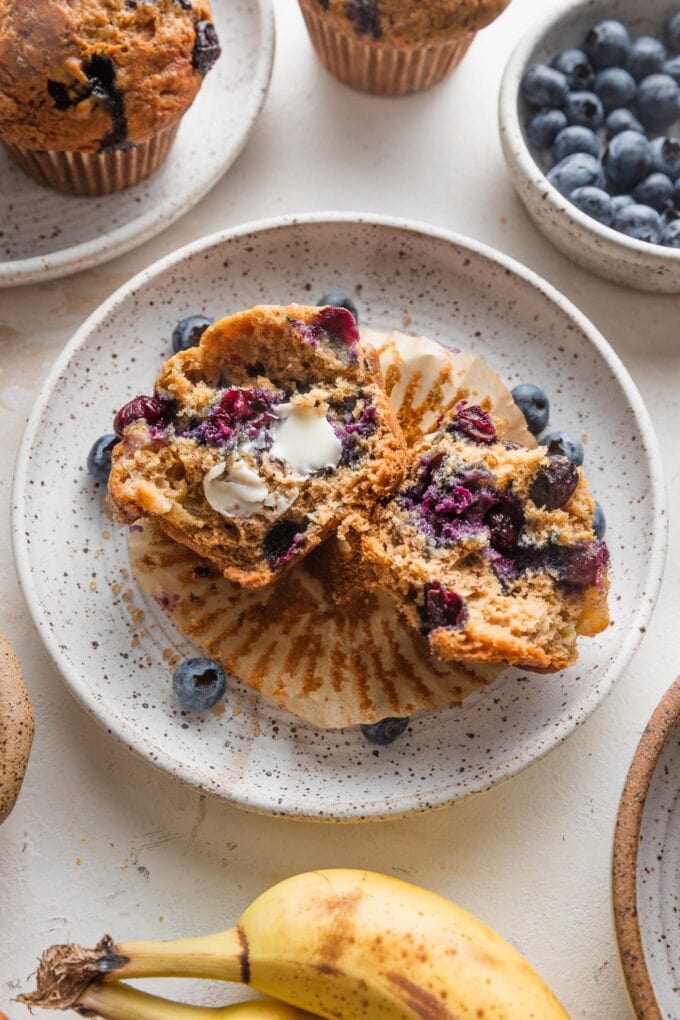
[(99, 75), (412, 24)]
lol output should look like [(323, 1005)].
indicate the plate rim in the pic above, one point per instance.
[(625, 853), (380, 809), (95, 251)]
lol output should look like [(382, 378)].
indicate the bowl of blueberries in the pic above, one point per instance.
[(589, 116)]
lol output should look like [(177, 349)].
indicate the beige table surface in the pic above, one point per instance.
[(100, 841)]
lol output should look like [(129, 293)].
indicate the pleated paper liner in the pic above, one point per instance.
[(96, 173), (330, 660), (381, 68)]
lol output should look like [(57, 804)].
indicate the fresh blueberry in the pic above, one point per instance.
[(544, 127), (640, 222), (622, 120), (673, 32), (676, 193), (647, 56), (575, 139), (657, 101), (188, 332), (655, 190), (554, 483), (338, 299), (544, 86), (627, 160), (672, 68), (99, 457), (666, 156), (534, 404), (199, 684), (584, 108), (599, 522), (621, 201), (607, 44), (594, 202), (575, 66), (576, 171), (386, 731), (566, 445), (615, 87), (671, 234)]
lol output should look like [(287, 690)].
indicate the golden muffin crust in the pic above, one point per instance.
[(96, 75), (412, 24)]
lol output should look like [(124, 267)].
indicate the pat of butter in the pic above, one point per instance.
[(242, 493), (304, 439)]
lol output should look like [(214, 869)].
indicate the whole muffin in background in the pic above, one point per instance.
[(92, 91), (394, 47)]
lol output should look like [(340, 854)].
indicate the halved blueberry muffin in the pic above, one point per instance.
[(488, 548), (257, 444)]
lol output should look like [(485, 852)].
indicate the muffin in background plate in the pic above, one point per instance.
[(92, 92), (394, 47)]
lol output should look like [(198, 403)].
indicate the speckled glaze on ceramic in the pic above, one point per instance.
[(646, 867), (45, 234), (73, 566), (600, 249)]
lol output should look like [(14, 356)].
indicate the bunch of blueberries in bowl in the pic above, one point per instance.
[(598, 123)]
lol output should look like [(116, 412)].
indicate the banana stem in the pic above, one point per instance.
[(223, 957), (118, 1002)]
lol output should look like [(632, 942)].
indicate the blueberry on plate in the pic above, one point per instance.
[(199, 684), (566, 445), (622, 120), (671, 234), (544, 86), (386, 731), (673, 32), (657, 101), (594, 202), (576, 171), (99, 457), (615, 87), (575, 139), (627, 161), (339, 299), (607, 44), (672, 68), (639, 221), (666, 156), (599, 522), (655, 190), (188, 332), (584, 108), (647, 56), (534, 404), (544, 127), (575, 66), (620, 201)]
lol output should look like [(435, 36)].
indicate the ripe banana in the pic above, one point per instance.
[(118, 1002), (341, 944), (16, 728)]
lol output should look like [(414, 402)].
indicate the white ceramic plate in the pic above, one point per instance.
[(646, 867), (44, 234), (454, 290)]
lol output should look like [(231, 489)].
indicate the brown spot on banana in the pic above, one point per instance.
[(16, 728), (423, 1003), (342, 909), (244, 957)]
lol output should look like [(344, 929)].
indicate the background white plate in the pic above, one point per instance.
[(44, 234), (453, 290)]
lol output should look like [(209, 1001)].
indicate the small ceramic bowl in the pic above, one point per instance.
[(646, 867), (600, 249)]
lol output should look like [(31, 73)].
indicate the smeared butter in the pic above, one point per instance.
[(304, 439), (242, 493)]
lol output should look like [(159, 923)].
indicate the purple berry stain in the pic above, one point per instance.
[(441, 608), (473, 422), (155, 410)]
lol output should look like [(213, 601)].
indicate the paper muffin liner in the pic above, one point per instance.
[(96, 173), (311, 643), (378, 67)]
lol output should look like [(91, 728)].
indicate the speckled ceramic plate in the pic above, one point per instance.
[(44, 234), (646, 868), (73, 562)]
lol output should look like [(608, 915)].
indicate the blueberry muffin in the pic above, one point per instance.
[(259, 442), (393, 47), (489, 548), (92, 91)]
